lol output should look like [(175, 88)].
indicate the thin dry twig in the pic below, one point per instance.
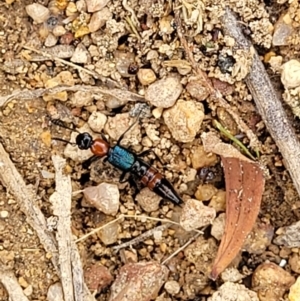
[(268, 104), (142, 217), (122, 95), (27, 198), (141, 237), (67, 63), (10, 282), (181, 248), (215, 94), (68, 254)]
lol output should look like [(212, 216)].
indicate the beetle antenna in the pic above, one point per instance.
[(63, 140), (62, 124), (129, 128)]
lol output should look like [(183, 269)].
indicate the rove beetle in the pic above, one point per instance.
[(127, 161)]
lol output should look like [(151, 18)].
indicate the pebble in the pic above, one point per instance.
[(105, 197), (164, 92), (258, 239), (283, 30), (99, 19), (289, 236), (61, 51), (51, 40), (80, 55), (55, 292), (146, 76), (123, 61), (71, 9), (271, 281), (290, 75), (95, 5), (148, 200), (23, 282), (295, 291), (81, 99), (165, 25), (15, 66), (63, 78), (205, 192), (138, 281), (97, 121), (97, 277), (200, 158), (172, 287), (184, 120), (28, 290), (202, 253), (59, 31), (294, 262), (38, 12), (127, 256), (197, 90), (117, 125), (4, 214), (234, 291), (195, 215), (232, 275), (109, 234), (218, 226), (218, 201)]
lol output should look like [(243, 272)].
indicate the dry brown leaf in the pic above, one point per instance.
[(244, 188)]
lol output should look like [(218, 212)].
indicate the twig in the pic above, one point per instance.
[(11, 285), (26, 198), (163, 220), (134, 19), (68, 254), (123, 95), (268, 104), (133, 28), (215, 94), (64, 62), (141, 237), (181, 248)]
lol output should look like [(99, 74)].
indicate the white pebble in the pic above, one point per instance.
[(38, 12), (80, 55), (184, 120), (97, 121), (105, 197), (172, 287), (164, 92), (195, 215), (3, 214)]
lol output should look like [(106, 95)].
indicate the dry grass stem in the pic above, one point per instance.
[(26, 198), (32, 94), (13, 288), (268, 104)]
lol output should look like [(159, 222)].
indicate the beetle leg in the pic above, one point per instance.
[(122, 177), (150, 151)]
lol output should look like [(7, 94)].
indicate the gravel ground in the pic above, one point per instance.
[(171, 69)]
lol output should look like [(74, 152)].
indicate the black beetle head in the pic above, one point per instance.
[(84, 140)]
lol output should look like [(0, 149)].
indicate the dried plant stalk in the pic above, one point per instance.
[(26, 197), (268, 104)]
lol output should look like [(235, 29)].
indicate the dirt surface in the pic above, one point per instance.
[(26, 133)]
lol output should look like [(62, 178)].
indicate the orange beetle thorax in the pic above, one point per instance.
[(100, 147)]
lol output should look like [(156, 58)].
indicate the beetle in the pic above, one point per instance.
[(126, 161)]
